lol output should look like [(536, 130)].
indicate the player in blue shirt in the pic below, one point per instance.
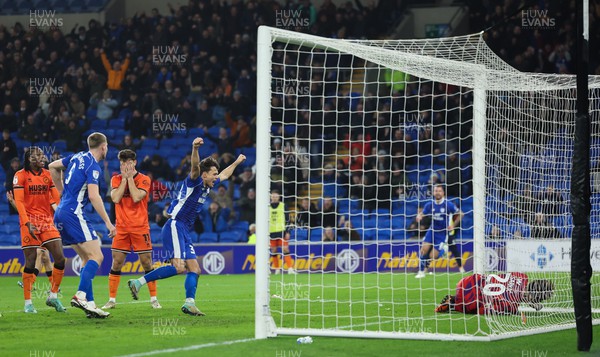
[(81, 175), (444, 217), (176, 232)]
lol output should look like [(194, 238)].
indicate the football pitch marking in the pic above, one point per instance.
[(189, 348)]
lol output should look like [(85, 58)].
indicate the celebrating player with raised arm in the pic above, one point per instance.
[(176, 232), (130, 194), (497, 294), (442, 212), (35, 198), (81, 186)]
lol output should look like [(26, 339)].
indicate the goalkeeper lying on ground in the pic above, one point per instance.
[(499, 294)]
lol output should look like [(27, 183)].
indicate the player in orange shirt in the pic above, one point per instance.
[(130, 194), (35, 198)]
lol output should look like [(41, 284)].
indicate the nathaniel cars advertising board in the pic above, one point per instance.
[(394, 256)]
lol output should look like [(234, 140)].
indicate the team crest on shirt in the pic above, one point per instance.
[(96, 174), (443, 210), (46, 180)]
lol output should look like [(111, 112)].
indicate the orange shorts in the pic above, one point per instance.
[(44, 234), (278, 240), (125, 242)]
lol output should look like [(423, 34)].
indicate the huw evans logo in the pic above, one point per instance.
[(44, 20), (168, 55), (45, 87), (163, 123), (291, 19), (538, 19)]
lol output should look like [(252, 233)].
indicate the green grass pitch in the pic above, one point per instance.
[(136, 329)]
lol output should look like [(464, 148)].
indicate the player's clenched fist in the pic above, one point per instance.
[(198, 142), (241, 158)]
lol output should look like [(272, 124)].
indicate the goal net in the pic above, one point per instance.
[(356, 136)]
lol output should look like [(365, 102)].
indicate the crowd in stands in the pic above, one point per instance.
[(530, 41), (58, 85)]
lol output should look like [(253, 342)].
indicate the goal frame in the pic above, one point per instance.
[(264, 323)]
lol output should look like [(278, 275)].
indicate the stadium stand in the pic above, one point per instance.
[(198, 92)]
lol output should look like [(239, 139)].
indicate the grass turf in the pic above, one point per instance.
[(228, 301)]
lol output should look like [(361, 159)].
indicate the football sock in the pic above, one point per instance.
[(57, 277), (87, 275), (276, 260), (288, 260), (151, 286), (456, 254), (114, 278), (191, 283), (163, 272), (50, 277), (28, 277)]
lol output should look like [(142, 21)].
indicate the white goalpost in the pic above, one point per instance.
[(355, 134)]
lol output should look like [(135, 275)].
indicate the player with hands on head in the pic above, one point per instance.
[(177, 231), (129, 192)]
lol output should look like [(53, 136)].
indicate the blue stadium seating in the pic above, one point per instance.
[(60, 146), (208, 237), (384, 234), (299, 234), (150, 144), (118, 123), (232, 236), (240, 226), (370, 234), (9, 239), (316, 235), (195, 132), (98, 125)]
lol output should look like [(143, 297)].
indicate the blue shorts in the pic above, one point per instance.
[(177, 241), (74, 228), (435, 238)]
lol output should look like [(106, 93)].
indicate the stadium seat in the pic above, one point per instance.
[(208, 237), (299, 234), (369, 234), (214, 131), (9, 239), (384, 234), (155, 235), (149, 144), (98, 124), (60, 146), (11, 220), (118, 123), (195, 132), (240, 226), (173, 161), (316, 235), (235, 236)]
